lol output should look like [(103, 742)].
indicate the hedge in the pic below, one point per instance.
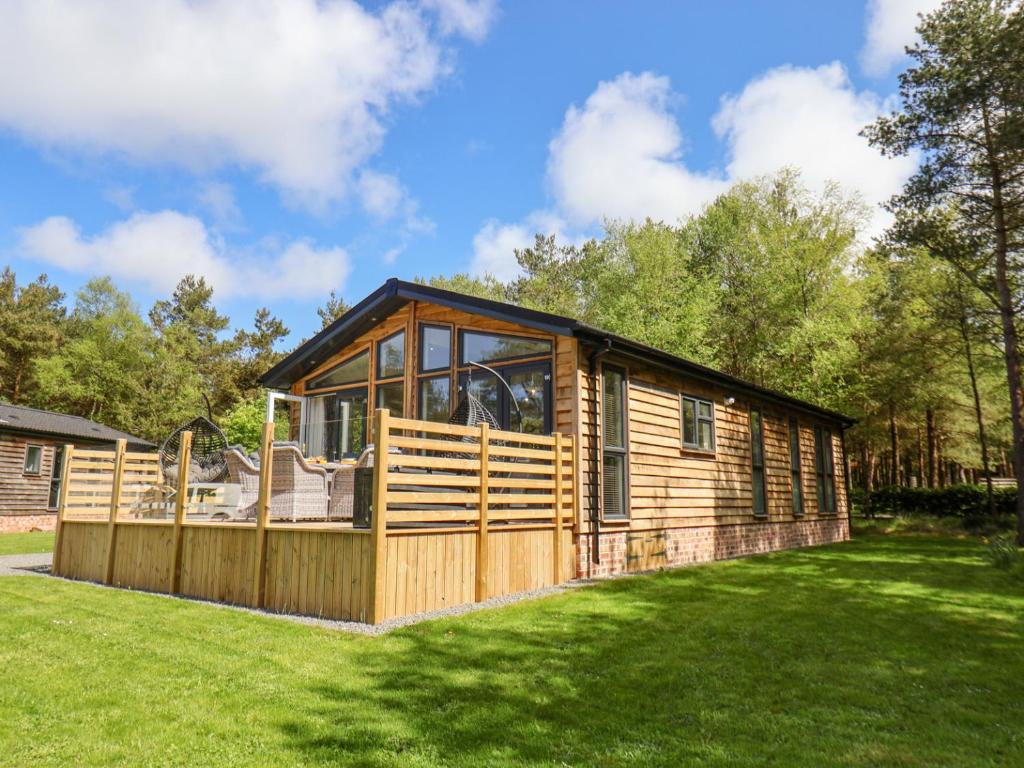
[(967, 502)]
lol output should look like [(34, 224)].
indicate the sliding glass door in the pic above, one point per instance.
[(527, 408), (336, 424)]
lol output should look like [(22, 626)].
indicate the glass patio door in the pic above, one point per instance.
[(531, 388)]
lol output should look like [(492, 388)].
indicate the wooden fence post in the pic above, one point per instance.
[(379, 524), (259, 585), (558, 508), (115, 506), (180, 501), (481, 538), (65, 481)]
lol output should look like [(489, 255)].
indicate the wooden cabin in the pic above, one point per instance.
[(32, 445), (678, 463)]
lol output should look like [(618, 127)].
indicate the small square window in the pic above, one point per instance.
[(33, 459), (698, 427)]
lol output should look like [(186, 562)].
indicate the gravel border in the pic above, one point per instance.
[(39, 565)]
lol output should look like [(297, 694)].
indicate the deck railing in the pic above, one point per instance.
[(457, 515)]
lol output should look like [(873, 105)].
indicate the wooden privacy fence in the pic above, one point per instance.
[(458, 515)]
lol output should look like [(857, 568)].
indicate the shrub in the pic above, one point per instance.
[(243, 424), (968, 503)]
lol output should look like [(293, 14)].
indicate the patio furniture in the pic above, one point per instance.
[(207, 463), (297, 488), (246, 475), (342, 489)]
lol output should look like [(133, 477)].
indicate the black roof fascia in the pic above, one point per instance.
[(394, 293), (696, 370)]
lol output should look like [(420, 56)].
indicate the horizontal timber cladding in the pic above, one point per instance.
[(674, 487)]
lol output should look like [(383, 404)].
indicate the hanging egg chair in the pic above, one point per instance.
[(207, 464)]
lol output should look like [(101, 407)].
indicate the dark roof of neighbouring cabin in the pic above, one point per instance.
[(395, 293), (17, 418)]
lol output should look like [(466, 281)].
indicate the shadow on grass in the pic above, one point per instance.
[(896, 651)]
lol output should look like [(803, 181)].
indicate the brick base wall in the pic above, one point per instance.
[(23, 523), (685, 546)]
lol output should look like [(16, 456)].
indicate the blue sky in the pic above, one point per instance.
[(287, 148)]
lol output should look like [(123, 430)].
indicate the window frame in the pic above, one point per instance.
[(24, 464), (420, 381), (56, 477), (758, 469), (420, 363), (796, 469), (379, 377), (622, 452), (697, 419), (513, 358), (379, 388), (504, 407), (824, 470), (308, 387)]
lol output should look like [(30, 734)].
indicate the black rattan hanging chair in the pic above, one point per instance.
[(207, 464)]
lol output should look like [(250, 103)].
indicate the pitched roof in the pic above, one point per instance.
[(17, 418), (395, 293)]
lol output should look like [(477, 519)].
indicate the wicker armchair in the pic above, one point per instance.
[(297, 489), (343, 485), (244, 473)]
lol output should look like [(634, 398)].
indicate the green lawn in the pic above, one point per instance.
[(26, 543), (898, 650)]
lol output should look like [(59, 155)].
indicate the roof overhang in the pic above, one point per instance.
[(385, 301), (396, 293)]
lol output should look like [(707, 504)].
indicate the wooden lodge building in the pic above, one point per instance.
[(678, 463), (32, 444)]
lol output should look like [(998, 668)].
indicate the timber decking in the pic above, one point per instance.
[(498, 519)]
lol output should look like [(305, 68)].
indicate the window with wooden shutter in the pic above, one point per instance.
[(615, 501)]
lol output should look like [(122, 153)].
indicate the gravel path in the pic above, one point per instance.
[(39, 565), (26, 565)]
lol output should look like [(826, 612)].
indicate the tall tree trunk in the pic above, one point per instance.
[(894, 445), (1007, 313), (933, 454), (940, 460), (979, 415), (920, 459)]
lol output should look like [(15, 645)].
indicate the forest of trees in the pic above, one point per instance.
[(914, 334)]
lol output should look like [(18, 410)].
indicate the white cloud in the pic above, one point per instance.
[(495, 244), (811, 119), (156, 250), (219, 199), (891, 26), (469, 18), (619, 156), (297, 90)]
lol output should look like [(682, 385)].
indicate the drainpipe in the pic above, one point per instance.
[(595, 499)]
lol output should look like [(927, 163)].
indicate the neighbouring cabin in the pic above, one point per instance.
[(32, 448), (478, 449)]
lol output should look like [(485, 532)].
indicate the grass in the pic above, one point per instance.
[(901, 650), (26, 543)]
